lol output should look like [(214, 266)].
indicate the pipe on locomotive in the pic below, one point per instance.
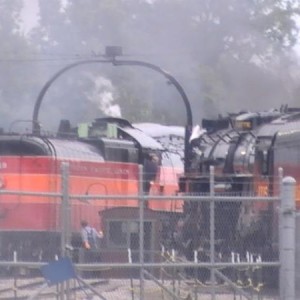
[(110, 53)]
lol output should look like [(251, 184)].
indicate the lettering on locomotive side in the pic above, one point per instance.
[(103, 170)]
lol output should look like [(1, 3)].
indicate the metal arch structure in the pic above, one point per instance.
[(36, 128), (112, 59)]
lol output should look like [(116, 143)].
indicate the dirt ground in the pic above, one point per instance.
[(130, 290), (121, 289)]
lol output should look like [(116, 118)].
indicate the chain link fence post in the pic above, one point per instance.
[(287, 239), (65, 208), (212, 229), (65, 221), (141, 233)]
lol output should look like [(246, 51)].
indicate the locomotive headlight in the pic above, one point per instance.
[(243, 152)]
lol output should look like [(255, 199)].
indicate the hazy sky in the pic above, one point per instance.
[(30, 14)]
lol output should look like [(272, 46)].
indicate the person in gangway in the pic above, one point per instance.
[(91, 241), (90, 236)]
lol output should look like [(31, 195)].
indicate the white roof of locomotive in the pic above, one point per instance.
[(158, 130)]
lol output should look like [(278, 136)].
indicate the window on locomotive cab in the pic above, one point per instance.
[(117, 234), (20, 148), (117, 154), (132, 155), (124, 234)]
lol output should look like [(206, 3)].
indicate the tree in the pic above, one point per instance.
[(233, 50), (15, 83), (226, 54)]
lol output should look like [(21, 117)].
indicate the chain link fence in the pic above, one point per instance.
[(213, 245)]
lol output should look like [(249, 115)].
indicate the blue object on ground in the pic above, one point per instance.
[(58, 271)]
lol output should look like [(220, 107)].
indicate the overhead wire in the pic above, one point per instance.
[(49, 57), (37, 60), (46, 57)]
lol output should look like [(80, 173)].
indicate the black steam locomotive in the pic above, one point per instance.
[(246, 151)]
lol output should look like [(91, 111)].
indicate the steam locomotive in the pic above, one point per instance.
[(103, 157), (246, 150)]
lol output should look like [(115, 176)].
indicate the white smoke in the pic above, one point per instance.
[(103, 96)]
